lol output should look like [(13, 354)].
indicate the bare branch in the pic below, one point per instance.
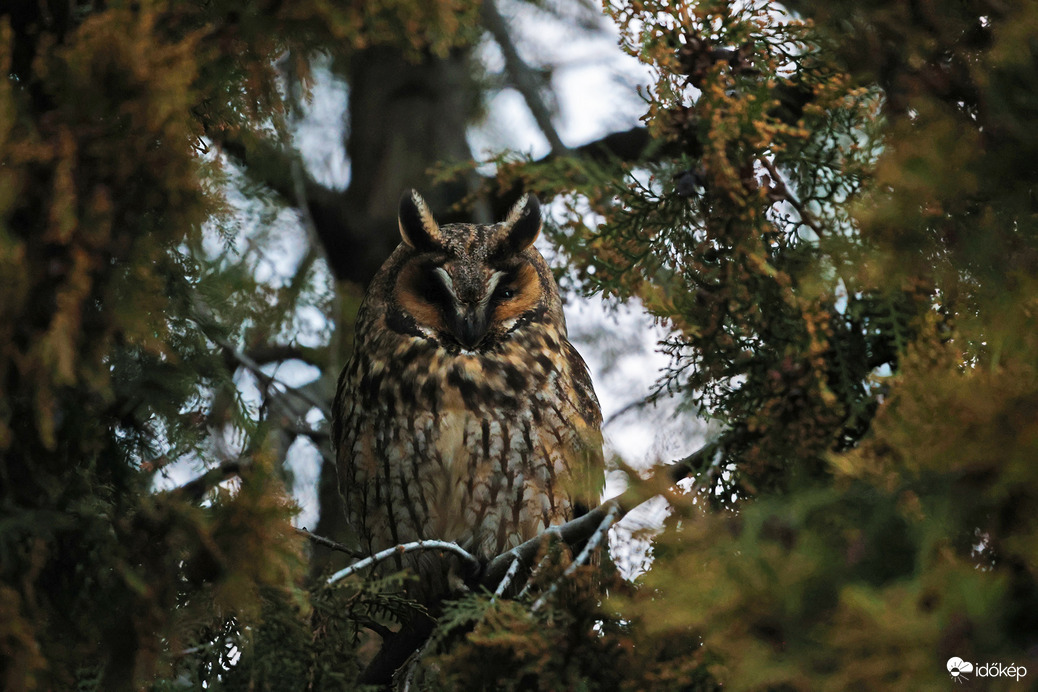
[(632, 406), (683, 468), (205, 319), (329, 543), (412, 666), (570, 533), (194, 490), (533, 573), (781, 191), (268, 380), (584, 527), (596, 538), (276, 353), (611, 516), (405, 548), (521, 74), (509, 575)]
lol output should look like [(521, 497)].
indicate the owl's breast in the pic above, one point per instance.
[(481, 449)]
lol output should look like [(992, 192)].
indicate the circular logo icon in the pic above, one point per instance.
[(958, 668)]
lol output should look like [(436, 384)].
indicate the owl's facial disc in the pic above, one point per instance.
[(468, 315), (471, 308)]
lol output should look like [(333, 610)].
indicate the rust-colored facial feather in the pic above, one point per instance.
[(470, 289), (527, 293), (412, 291)]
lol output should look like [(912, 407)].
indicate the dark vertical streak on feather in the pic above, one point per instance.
[(485, 424), (503, 467), (409, 503), (380, 450), (525, 467)]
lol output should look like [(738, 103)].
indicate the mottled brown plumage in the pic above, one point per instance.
[(464, 414)]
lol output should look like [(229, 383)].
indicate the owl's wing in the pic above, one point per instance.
[(588, 469), (586, 399), (353, 474)]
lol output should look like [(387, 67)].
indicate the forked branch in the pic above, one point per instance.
[(591, 527), (592, 545)]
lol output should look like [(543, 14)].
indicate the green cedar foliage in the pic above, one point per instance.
[(121, 333), (837, 225), (835, 221)]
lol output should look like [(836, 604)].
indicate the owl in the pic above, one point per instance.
[(464, 413)]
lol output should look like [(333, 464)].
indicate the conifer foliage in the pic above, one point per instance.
[(122, 336), (831, 209), (838, 228)]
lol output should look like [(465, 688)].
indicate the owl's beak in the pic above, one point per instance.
[(469, 326)]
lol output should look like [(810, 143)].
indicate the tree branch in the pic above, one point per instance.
[(596, 538), (405, 548), (570, 533), (630, 145), (329, 543), (204, 317), (534, 572), (781, 191), (277, 353), (584, 527), (522, 75), (317, 436), (591, 527), (269, 380), (509, 575), (194, 490), (633, 406), (683, 468)]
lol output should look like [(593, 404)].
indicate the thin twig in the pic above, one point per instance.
[(585, 555), (509, 575), (782, 190), (594, 541), (405, 548), (276, 353), (205, 319), (581, 528), (329, 543), (412, 667), (533, 573), (570, 533), (268, 380), (636, 404), (521, 75)]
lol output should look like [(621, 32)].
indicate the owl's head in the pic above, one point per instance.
[(469, 286)]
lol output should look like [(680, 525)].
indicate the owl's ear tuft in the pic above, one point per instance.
[(418, 228), (522, 226)]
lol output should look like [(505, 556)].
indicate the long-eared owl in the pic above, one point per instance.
[(464, 413)]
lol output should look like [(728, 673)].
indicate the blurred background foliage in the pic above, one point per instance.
[(830, 207)]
